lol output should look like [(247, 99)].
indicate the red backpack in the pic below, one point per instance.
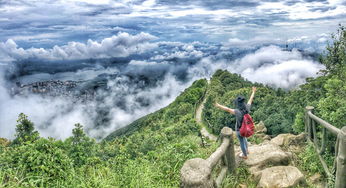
[(247, 127)]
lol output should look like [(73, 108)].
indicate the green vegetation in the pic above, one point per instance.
[(309, 161), (151, 151), (242, 176)]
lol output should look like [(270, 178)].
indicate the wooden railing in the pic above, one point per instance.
[(340, 145), (197, 172)]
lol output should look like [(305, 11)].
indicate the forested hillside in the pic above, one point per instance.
[(150, 151)]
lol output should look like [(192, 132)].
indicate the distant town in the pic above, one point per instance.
[(55, 88)]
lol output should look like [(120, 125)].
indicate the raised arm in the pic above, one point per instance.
[(252, 95), (230, 110)]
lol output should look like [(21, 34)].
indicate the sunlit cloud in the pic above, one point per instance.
[(121, 45)]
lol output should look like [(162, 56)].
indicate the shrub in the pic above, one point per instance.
[(38, 163), (309, 161)]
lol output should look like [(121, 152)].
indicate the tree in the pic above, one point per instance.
[(25, 131), (81, 147), (335, 60)]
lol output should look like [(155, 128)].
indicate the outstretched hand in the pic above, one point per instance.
[(254, 89)]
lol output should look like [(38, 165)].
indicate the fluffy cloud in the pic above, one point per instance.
[(250, 42), (214, 21), (121, 45), (175, 50), (287, 74), (179, 55), (276, 67), (269, 65)]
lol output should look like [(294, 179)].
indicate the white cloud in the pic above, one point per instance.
[(269, 65), (120, 45), (193, 50), (298, 39), (250, 42), (336, 2), (286, 74), (304, 10), (276, 67), (142, 63), (98, 2), (179, 54)]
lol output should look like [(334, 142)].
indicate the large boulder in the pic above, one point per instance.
[(289, 139), (267, 154), (280, 176), (260, 127)]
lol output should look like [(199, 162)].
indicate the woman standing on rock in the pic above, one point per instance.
[(241, 109)]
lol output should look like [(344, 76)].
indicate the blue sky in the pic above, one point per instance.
[(43, 24)]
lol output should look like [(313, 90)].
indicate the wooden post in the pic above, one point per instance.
[(314, 134), (196, 173), (227, 132), (309, 120), (340, 179)]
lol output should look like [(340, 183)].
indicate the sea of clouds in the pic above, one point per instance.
[(153, 75)]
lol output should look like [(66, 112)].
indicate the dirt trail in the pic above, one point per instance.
[(204, 131)]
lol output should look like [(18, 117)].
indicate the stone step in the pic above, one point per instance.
[(267, 154), (280, 176)]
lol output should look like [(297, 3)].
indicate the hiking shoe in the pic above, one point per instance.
[(241, 155)]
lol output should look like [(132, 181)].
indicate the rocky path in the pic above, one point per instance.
[(270, 163)]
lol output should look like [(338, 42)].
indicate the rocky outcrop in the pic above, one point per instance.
[(280, 176), (289, 139), (265, 155)]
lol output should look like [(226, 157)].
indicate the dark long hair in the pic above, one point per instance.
[(239, 102)]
